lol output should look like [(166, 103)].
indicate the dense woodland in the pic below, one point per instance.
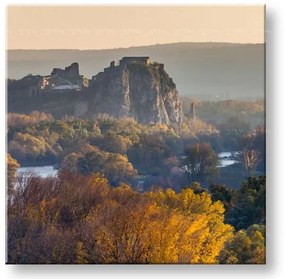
[(153, 153), (133, 193), (76, 218)]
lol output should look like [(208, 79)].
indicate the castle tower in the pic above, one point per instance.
[(192, 111)]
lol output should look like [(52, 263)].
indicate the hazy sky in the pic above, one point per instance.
[(99, 27)]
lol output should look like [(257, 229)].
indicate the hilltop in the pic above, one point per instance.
[(135, 87)]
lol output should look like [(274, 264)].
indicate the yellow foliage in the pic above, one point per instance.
[(83, 220), (17, 120), (206, 232)]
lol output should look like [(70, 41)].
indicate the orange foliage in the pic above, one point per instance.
[(82, 219), (20, 120)]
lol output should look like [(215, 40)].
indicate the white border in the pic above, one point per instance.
[(275, 169)]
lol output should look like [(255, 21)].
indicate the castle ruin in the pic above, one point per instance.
[(133, 87)]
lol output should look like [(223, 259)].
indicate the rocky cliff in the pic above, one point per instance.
[(136, 88)]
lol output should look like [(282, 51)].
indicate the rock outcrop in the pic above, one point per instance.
[(136, 88)]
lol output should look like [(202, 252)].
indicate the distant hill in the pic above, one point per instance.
[(200, 70)]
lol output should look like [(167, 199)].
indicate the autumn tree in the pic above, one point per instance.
[(90, 159), (70, 162), (157, 227), (197, 127), (45, 213), (25, 146), (118, 169), (252, 154), (81, 219), (249, 159), (12, 166), (207, 217), (201, 163), (21, 120), (111, 143)]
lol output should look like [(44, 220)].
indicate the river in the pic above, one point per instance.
[(43, 171), (226, 159)]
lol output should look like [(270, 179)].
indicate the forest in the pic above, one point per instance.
[(76, 218), (133, 193)]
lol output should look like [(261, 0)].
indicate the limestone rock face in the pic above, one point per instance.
[(136, 88)]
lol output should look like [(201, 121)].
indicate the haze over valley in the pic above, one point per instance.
[(200, 70)]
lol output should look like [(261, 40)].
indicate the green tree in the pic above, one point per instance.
[(250, 205), (224, 194), (149, 154), (245, 247), (92, 162)]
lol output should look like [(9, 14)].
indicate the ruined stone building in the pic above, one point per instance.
[(64, 79)]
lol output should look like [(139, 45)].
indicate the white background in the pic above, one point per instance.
[(275, 33)]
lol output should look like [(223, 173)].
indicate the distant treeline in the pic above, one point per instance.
[(228, 114)]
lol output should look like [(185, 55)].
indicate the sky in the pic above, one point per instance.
[(107, 27)]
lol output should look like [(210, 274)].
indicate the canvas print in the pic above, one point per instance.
[(135, 135)]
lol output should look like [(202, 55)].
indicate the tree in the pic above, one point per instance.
[(91, 159), (69, 162), (77, 218), (197, 127), (156, 227), (26, 147), (12, 166), (259, 144), (245, 247), (250, 205), (206, 232), (111, 143), (252, 155), (149, 154), (200, 163), (118, 169), (91, 162), (224, 194), (249, 158), (21, 120)]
